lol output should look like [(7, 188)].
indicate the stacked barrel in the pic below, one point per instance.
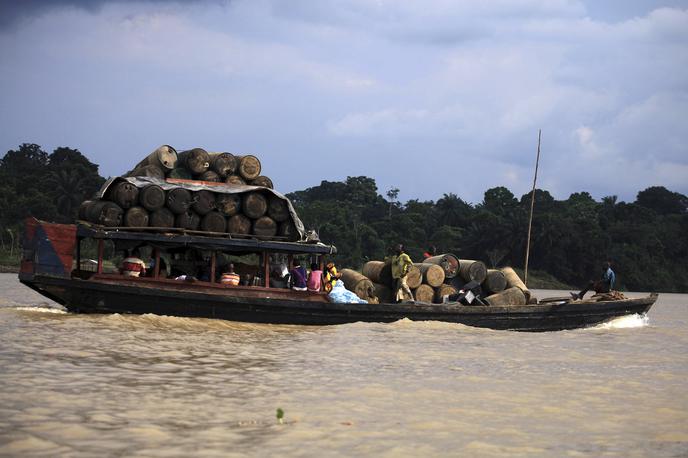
[(440, 276), (201, 165), (247, 212)]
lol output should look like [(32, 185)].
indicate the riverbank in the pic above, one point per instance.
[(9, 262)]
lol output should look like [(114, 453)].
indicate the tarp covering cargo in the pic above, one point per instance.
[(141, 182)]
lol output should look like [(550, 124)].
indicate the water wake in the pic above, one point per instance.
[(40, 309), (626, 322)]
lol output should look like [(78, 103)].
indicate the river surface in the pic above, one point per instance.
[(121, 385)]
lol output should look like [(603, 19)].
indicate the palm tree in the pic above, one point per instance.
[(67, 185)]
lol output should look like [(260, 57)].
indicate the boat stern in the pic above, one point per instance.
[(47, 249)]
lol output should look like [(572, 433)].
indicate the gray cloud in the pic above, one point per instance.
[(431, 98), (15, 11)]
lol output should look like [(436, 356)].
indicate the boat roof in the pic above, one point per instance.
[(184, 239)]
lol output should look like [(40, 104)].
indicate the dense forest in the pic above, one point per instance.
[(646, 240)]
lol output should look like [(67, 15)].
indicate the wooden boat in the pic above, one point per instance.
[(47, 267)]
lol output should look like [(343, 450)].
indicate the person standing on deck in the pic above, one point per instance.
[(605, 285), (401, 263)]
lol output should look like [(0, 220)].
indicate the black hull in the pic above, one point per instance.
[(89, 296)]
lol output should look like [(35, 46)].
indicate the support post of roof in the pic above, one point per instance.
[(101, 248), (156, 269), (78, 256), (266, 269), (213, 266)]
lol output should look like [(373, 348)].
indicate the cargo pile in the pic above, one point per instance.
[(214, 193), (220, 194), (439, 277), (199, 165)]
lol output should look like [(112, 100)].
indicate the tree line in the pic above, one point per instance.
[(645, 239)]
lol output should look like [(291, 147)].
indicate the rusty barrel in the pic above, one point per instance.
[(188, 220), (358, 283), (213, 221), (162, 217), (124, 194), (196, 160), (178, 200), (278, 209), (136, 217), (224, 164), (180, 173), (288, 230), (511, 296), (254, 205), (471, 270), (249, 167), (495, 281), (262, 181), (203, 202), (105, 213), (433, 274), (229, 204), (265, 227), (447, 261), (83, 209), (210, 175), (239, 224), (512, 279), (164, 157), (235, 179), (378, 272), (152, 197), (383, 292), (424, 293), (444, 290)]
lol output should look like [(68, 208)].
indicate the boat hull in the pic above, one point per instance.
[(276, 306)]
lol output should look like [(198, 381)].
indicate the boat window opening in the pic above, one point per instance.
[(87, 255), (247, 265), (279, 270)]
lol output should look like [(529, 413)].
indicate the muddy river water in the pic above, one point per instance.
[(120, 385)]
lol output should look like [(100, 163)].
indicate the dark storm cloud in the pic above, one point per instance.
[(14, 11)]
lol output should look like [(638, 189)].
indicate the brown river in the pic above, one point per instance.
[(122, 385)]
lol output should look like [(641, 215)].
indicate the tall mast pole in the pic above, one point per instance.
[(532, 205)]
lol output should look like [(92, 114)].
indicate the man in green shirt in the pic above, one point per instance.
[(401, 263)]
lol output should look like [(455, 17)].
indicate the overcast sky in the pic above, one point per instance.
[(431, 96)]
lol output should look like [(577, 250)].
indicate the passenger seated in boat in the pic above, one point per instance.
[(605, 285), (133, 265), (315, 278), (298, 277), (203, 273), (279, 276), (151, 269), (330, 276), (432, 251), (230, 277)]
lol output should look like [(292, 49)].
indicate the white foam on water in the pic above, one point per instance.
[(626, 322), (40, 309)]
